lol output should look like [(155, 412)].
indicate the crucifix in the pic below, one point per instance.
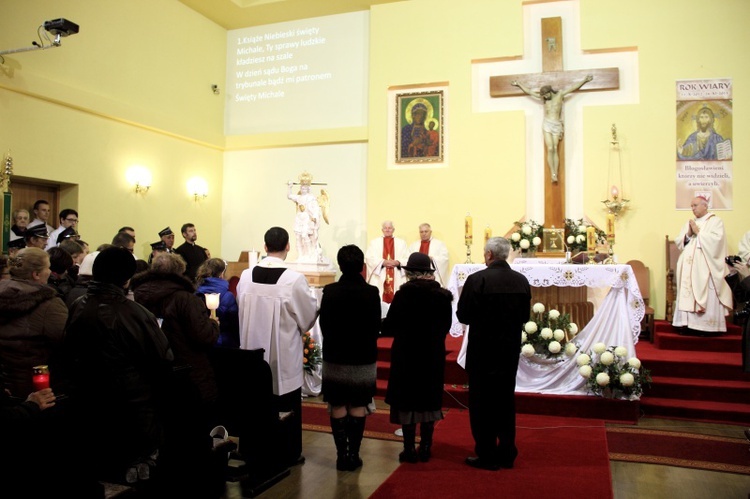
[(542, 85)]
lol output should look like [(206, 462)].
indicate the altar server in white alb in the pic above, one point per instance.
[(435, 249), (383, 258), (275, 309), (703, 296)]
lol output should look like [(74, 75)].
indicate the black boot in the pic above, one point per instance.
[(409, 454), (338, 429), (425, 444), (355, 429)]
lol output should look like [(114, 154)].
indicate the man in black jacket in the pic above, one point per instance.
[(494, 304), (119, 363)]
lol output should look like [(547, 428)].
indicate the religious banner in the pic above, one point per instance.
[(704, 142)]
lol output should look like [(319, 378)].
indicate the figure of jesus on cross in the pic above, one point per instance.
[(553, 125)]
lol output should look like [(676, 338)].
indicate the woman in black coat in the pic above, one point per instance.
[(418, 319), (192, 334), (350, 323)]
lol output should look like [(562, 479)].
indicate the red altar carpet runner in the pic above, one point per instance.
[(558, 457)]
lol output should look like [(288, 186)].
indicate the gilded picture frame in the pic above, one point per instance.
[(419, 127)]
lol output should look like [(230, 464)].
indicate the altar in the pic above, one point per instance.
[(616, 321)]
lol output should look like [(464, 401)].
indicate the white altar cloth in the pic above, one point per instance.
[(616, 322)]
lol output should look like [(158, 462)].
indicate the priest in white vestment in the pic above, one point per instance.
[(383, 259), (704, 298), (275, 309), (435, 249)]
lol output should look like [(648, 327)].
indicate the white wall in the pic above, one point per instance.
[(255, 188)]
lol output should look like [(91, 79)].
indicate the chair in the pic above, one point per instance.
[(672, 255), (642, 275)]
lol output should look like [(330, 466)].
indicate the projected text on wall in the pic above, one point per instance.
[(308, 74)]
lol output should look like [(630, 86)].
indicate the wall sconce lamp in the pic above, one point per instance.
[(140, 178), (56, 27), (198, 188)]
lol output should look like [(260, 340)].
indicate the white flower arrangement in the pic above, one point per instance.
[(528, 236), (608, 373), (555, 334), (576, 235)]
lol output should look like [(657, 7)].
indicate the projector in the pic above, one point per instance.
[(61, 27)]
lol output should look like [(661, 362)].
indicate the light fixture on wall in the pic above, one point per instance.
[(215, 89), (57, 27), (198, 188), (140, 178), (615, 203)]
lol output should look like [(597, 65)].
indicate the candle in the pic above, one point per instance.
[(591, 238), (253, 259), (611, 228), (468, 229), (212, 302), (487, 234), (40, 377)]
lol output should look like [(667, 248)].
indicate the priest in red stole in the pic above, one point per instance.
[(435, 249), (383, 258)]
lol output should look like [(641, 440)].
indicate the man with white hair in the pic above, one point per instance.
[(435, 249), (495, 304), (703, 296), (383, 260)]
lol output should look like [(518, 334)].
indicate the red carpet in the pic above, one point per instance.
[(558, 457), (685, 450)]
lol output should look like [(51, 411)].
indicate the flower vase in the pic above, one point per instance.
[(528, 253)]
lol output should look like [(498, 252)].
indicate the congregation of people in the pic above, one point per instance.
[(128, 343)]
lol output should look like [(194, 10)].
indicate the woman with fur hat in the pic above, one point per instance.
[(418, 319)]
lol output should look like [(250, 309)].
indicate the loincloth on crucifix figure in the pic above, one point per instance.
[(552, 127)]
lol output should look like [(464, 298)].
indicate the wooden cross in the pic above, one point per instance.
[(553, 74)]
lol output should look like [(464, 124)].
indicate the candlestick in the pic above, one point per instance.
[(487, 234), (468, 229), (40, 377), (610, 260), (591, 243)]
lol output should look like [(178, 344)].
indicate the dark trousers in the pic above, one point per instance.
[(290, 432), (492, 415)]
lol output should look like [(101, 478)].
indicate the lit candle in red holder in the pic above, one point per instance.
[(40, 377)]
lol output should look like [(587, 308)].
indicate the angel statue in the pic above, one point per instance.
[(310, 211)]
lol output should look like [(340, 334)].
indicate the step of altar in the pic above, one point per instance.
[(668, 337)]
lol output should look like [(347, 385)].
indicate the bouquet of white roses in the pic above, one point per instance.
[(528, 236), (575, 231), (609, 373), (548, 334)]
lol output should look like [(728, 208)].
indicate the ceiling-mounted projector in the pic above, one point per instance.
[(61, 27)]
